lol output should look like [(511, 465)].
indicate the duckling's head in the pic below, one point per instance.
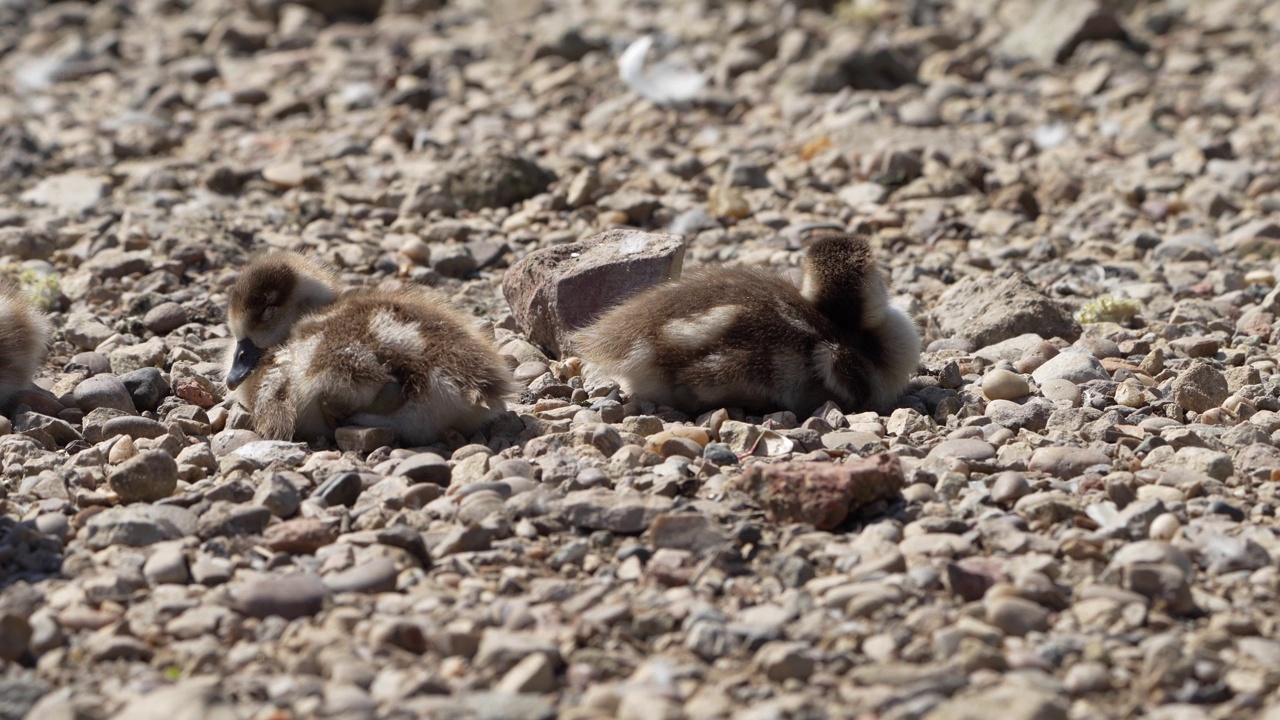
[(843, 281), (272, 294)]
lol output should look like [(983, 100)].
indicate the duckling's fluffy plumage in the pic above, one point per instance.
[(402, 359), (739, 337), (24, 340)]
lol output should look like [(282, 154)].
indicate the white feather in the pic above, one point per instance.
[(662, 82)]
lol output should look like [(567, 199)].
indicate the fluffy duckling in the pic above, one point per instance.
[(24, 339), (267, 300), (741, 337), (400, 359)]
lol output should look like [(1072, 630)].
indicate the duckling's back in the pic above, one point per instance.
[(24, 338), (405, 360), (723, 337)]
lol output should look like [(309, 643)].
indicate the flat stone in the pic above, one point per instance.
[(138, 526), (148, 476), (267, 452), (686, 531), (70, 193), (822, 493), (375, 576), (971, 449), (288, 596), (363, 440), (300, 536), (198, 698), (132, 357), (425, 468), (167, 564), (1066, 462), (559, 289), (1016, 616), (1075, 366), (1007, 702), (224, 519), (781, 661), (500, 649), (625, 514), (536, 673)]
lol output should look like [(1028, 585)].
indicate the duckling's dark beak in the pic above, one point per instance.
[(246, 359)]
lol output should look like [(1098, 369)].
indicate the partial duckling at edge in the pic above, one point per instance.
[(748, 338), (24, 341), (401, 359)]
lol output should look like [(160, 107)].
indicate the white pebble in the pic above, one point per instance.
[(1164, 527)]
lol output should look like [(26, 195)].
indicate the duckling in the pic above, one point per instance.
[(267, 300), (741, 337), (376, 358), (24, 339)]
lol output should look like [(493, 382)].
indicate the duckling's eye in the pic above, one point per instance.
[(270, 313)]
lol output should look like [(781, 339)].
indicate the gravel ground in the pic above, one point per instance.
[(1072, 514)]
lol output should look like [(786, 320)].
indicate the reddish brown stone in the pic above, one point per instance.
[(822, 494), (559, 289), (302, 535)]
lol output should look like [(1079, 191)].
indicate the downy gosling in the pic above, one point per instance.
[(24, 340), (741, 337), (309, 359)]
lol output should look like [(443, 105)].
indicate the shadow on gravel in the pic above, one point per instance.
[(26, 554)]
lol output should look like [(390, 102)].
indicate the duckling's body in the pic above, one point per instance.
[(399, 359), (24, 340), (739, 337)]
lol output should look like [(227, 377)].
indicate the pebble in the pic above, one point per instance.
[(289, 597), (377, 575), (149, 476), (1000, 384), (1074, 366), (1009, 487), (1200, 388), (104, 390)]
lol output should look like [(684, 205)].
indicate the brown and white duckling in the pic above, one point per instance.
[(401, 359), (267, 300), (24, 340), (741, 337)]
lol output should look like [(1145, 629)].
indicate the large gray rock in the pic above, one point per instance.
[(138, 525), (559, 289), (1053, 31), (985, 312), (494, 180)]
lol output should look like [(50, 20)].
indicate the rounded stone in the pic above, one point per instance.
[(103, 391), (164, 318), (1016, 616), (1001, 384), (1009, 487), (290, 597), (147, 387), (146, 477), (1060, 390)]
